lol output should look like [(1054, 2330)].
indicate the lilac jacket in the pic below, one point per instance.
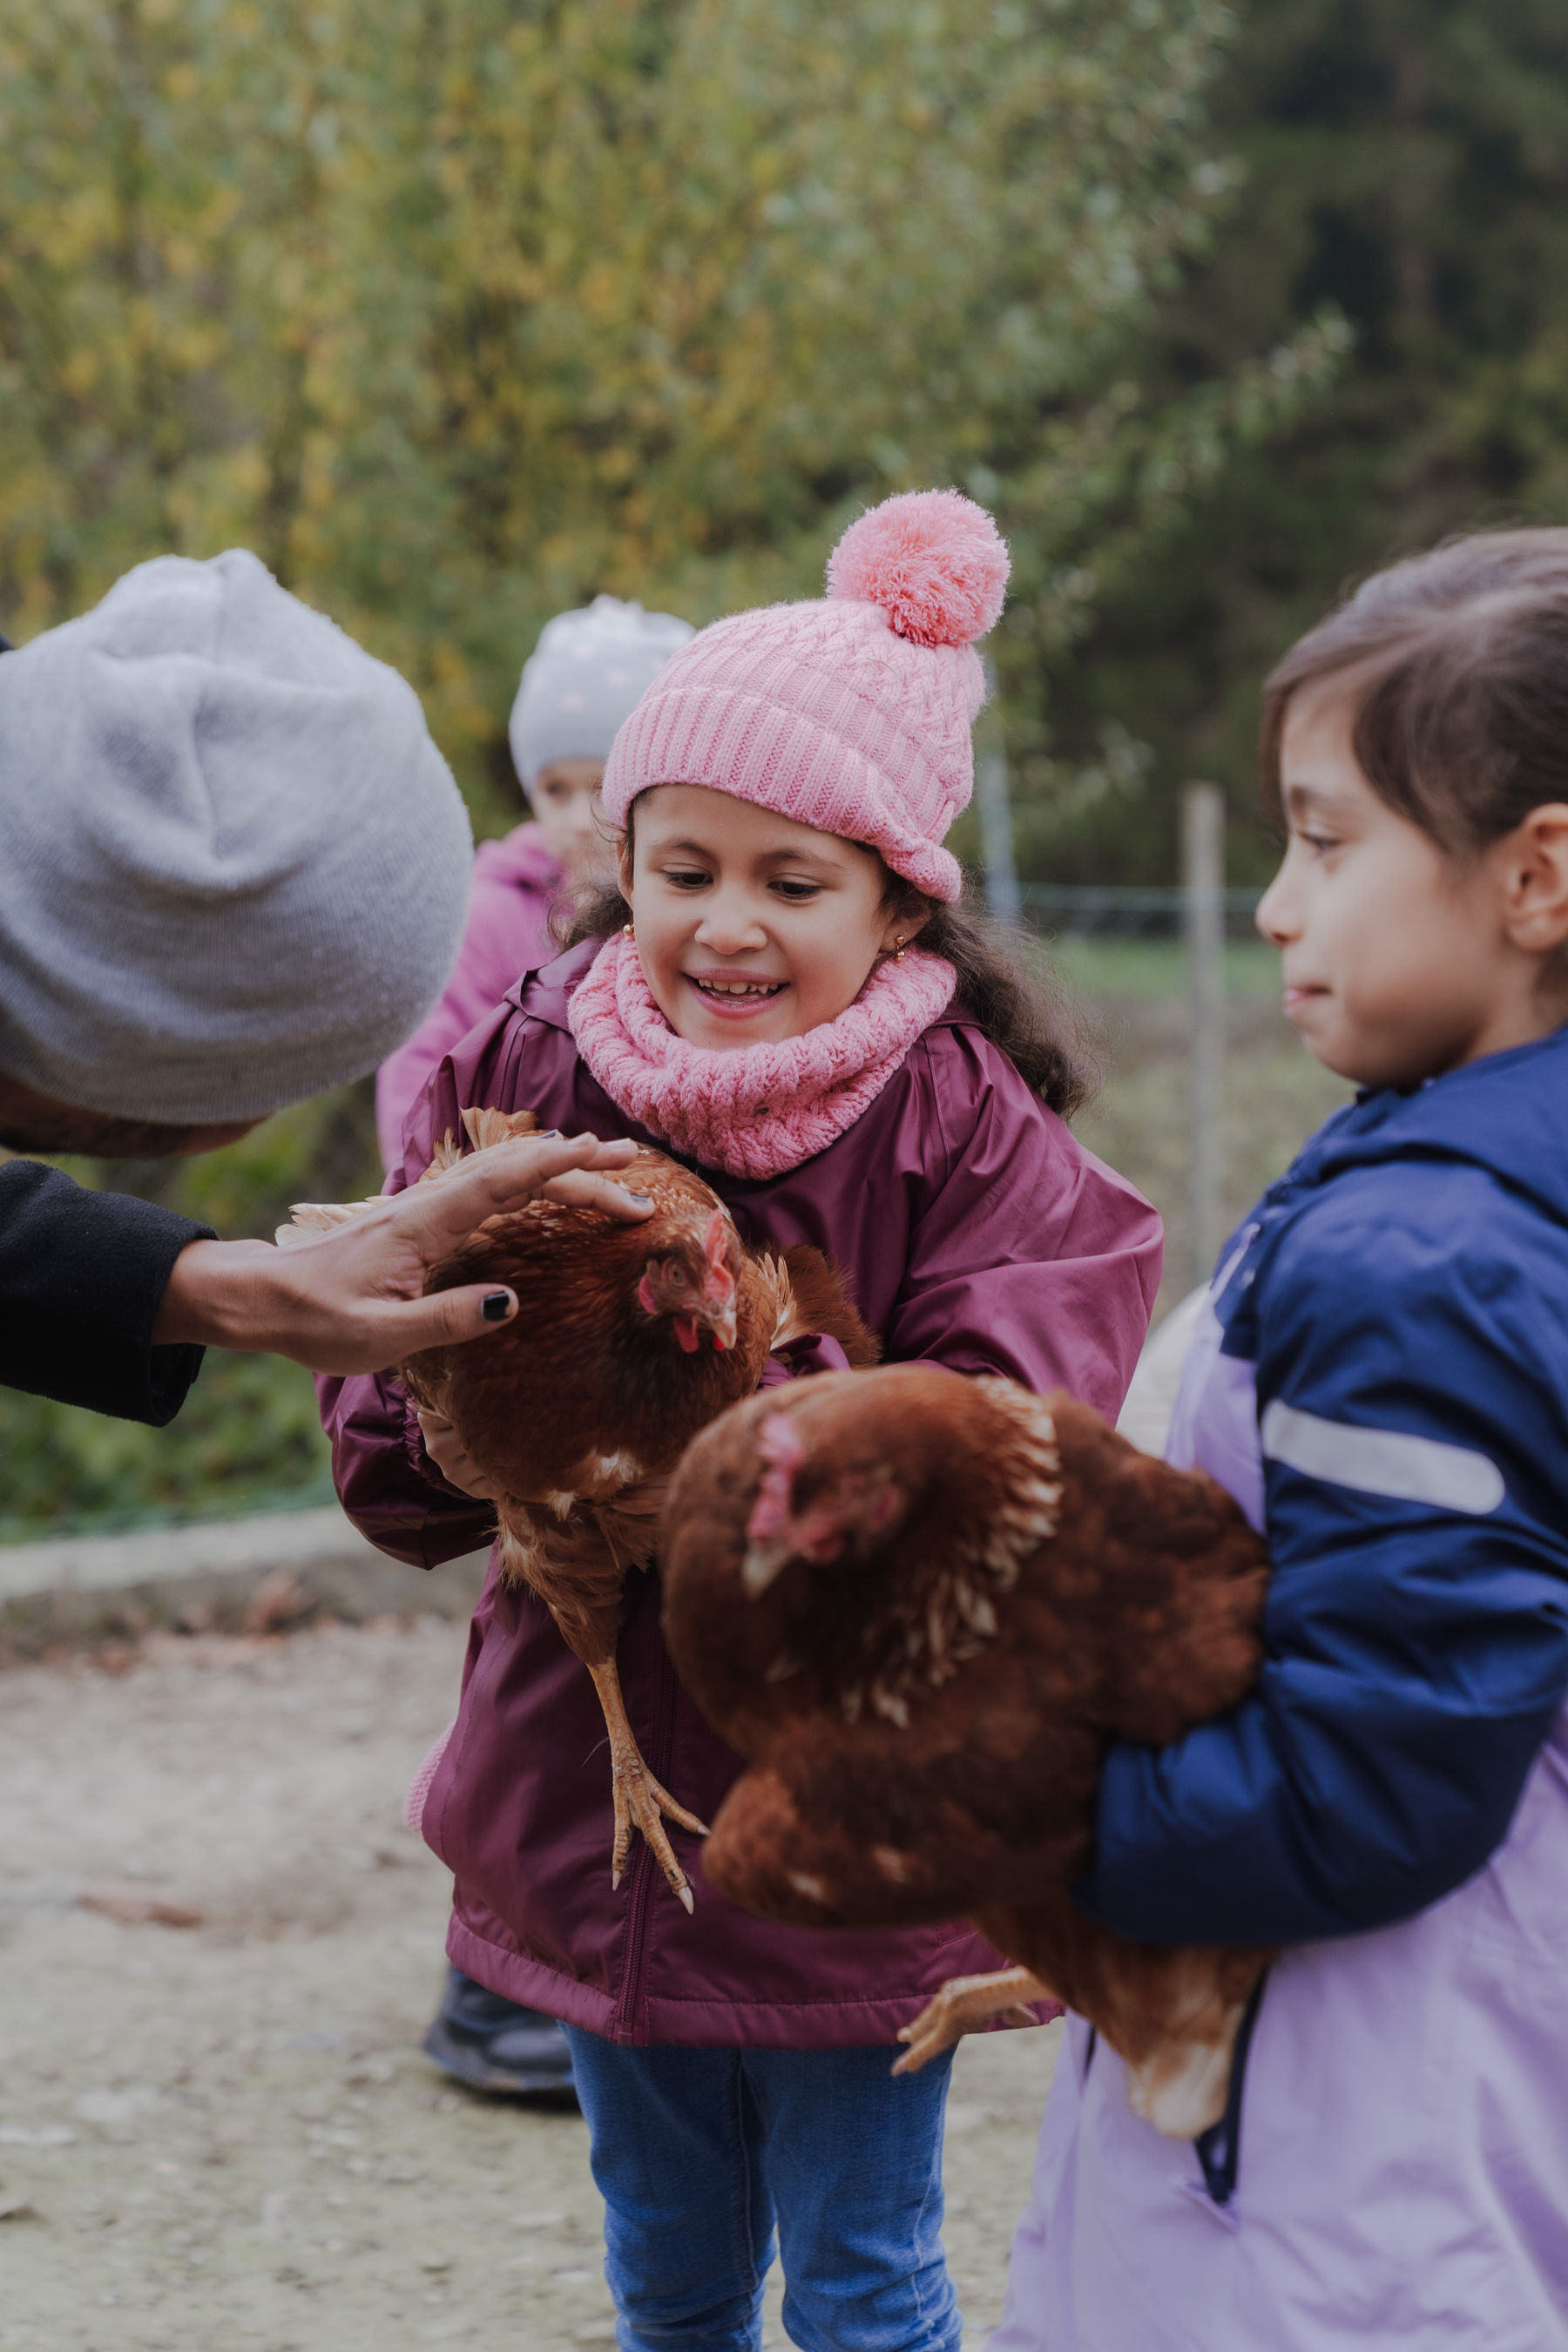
[(975, 1232), (506, 934), (1402, 2136)]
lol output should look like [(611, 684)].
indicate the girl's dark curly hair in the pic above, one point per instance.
[(1006, 1002)]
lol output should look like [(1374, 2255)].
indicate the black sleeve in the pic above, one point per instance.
[(82, 1275)]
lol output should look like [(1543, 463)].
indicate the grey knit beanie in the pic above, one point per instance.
[(585, 675), (233, 867)]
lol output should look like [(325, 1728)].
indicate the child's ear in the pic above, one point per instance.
[(623, 868), (1535, 914), (907, 915)]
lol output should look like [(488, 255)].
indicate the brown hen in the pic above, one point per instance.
[(627, 1340), (921, 1607)]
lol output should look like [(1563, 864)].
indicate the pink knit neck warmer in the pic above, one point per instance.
[(758, 1109)]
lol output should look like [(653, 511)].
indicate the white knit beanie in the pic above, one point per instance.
[(585, 675), (235, 867)]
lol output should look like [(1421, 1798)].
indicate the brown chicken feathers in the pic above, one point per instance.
[(921, 1606), (627, 1340)]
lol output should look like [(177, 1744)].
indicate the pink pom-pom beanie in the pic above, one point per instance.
[(852, 712)]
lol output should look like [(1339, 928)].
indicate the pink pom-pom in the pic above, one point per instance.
[(932, 560)]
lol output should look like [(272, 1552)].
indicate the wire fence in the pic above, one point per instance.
[(1202, 911), (1113, 911)]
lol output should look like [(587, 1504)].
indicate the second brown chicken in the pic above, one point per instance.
[(921, 1607)]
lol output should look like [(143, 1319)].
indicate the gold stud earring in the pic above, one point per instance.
[(628, 932), (899, 949)]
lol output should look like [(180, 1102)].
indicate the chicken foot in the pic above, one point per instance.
[(640, 1800), (961, 2006)]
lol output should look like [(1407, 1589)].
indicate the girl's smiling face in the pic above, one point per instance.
[(1401, 960), (750, 926)]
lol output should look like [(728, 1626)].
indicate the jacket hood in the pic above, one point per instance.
[(520, 857), (1507, 1114)]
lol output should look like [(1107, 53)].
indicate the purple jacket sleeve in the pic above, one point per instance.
[(1033, 1259), (386, 1483), (802, 1359)]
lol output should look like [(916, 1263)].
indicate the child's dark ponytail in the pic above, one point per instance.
[(1005, 1001)]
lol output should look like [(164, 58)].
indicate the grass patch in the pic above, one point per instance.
[(1132, 996), (249, 1438), (1152, 970)]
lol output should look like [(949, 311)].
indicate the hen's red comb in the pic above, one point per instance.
[(718, 1283), (778, 1443)]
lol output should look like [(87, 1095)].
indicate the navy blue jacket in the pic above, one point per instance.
[(1405, 1281)]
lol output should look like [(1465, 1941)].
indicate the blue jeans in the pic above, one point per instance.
[(699, 2153)]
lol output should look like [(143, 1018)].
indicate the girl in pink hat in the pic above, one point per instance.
[(782, 991)]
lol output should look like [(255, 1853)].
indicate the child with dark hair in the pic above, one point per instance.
[(1379, 1377), (787, 1000)]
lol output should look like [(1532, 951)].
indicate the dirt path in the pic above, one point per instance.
[(224, 2135)]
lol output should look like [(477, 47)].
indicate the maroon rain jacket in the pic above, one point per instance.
[(974, 1232)]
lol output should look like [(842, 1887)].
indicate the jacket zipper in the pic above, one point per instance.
[(1218, 2149), (646, 1876)]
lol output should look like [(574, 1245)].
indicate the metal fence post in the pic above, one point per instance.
[(1202, 879), (996, 810)]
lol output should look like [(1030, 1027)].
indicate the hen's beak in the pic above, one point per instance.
[(720, 1318), (766, 1556)]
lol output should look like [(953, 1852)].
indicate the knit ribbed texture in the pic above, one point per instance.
[(755, 1110), (831, 712), (582, 678), (419, 1786), (235, 867)]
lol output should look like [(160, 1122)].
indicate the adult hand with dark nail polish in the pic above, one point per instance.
[(352, 1299)]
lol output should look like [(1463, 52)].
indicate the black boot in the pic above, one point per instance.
[(491, 2044)]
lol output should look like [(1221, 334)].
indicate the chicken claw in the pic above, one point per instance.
[(961, 2005), (639, 1798)]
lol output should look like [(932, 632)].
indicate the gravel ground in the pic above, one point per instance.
[(223, 2134)]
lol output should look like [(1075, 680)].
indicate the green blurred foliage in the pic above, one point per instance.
[(459, 311), (249, 1439), (1405, 160)]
